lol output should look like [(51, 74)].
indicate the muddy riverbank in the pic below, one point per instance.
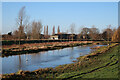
[(34, 48)]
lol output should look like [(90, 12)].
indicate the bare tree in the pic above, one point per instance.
[(85, 33), (79, 36), (44, 30), (27, 27), (29, 31), (21, 32), (22, 17), (15, 34), (116, 35), (108, 33), (72, 30), (53, 30), (36, 29), (21, 22), (47, 31), (94, 33), (58, 30)]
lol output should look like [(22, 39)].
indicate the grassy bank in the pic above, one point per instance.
[(102, 63)]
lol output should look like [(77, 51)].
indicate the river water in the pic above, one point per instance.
[(45, 59)]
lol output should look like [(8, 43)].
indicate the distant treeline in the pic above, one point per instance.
[(11, 42), (85, 34)]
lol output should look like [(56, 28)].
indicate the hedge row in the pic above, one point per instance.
[(11, 42)]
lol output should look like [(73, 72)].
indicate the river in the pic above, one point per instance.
[(52, 58)]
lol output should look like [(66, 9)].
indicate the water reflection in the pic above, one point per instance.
[(43, 59), (20, 63)]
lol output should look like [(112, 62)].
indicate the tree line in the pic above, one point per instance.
[(32, 30)]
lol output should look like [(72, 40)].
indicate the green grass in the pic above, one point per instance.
[(109, 71)]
